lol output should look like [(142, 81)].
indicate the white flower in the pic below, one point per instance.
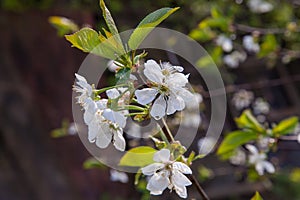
[(104, 124), (72, 129), (239, 157), (258, 159), (118, 176), (242, 99), (82, 87), (169, 83), (205, 145), (167, 174), (260, 106), (234, 59), (260, 6), (224, 42), (113, 65), (250, 45)]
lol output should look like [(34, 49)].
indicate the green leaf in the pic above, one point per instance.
[(88, 40), (202, 35), (63, 25), (286, 126), (61, 132), (111, 24), (235, 139), (85, 39), (123, 75), (138, 157), (268, 46), (257, 196), (204, 173), (93, 163), (220, 22), (248, 121), (147, 25)]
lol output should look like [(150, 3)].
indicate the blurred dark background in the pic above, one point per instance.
[(36, 75)]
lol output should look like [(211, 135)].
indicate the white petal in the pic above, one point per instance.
[(90, 111), (153, 71), (259, 167), (93, 131), (186, 95), (152, 168), (113, 93), (158, 183), (115, 117), (162, 156), (177, 80), (158, 109), (119, 141), (102, 104), (182, 167), (83, 83), (118, 176), (146, 95), (178, 68), (252, 149), (178, 179), (181, 191), (269, 167), (103, 139), (175, 103), (80, 78)]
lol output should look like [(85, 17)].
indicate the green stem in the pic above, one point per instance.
[(168, 130), (136, 113), (97, 92), (133, 107), (163, 135)]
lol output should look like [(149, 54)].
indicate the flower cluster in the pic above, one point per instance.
[(165, 92), (167, 173), (104, 124)]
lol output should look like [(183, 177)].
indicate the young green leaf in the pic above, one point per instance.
[(88, 40), (268, 46), (248, 121), (92, 163), (138, 157), (85, 39), (147, 25), (63, 25), (235, 139), (111, 24), (286, 126), (257, 196), (62, 131)]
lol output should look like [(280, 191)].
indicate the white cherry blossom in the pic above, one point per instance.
[(116, 176), (104, 125), (258, 159), (234, 59), (166, 173), (224, 42), (250, 45), (239, 157), (260, 106), (169, 84), (84, 89), (260, 6), (242, 99)]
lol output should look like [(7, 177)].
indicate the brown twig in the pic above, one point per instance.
[(250, 29), (199, 188)]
